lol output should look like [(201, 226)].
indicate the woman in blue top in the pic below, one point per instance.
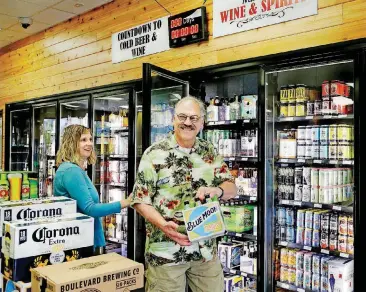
[(71, 180)]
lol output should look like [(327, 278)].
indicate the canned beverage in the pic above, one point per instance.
[(325, 195), (326, 106), (300, 233), (290, 234), (324, 134), (345, 176), (317, 220), (323, 151), (349, 175), (344, 133), (300, 92), (308, 134), (332, 133), (300, 260), (300, 218), (350, 226), (306, 193), (316, 263), (310, 108), (300, 109), (283, 94), (291, 258), (315, 283), (291, 93), (344, 151), (308, 151), (290, 217), (324, 284), (339, 176), (284, 256), (306, 175), (333, 241), (283, 109), (291, 276), (333, 223), (342, 243), (315, 241), (314, 194), (298, 192), (333, 151), (277, 271), (301, 149), (318, 110), (298, 175), (330, 192), (323, 177), (321, 195), (284, 274), (332, 177), (301, 133), (315, 151), (350, 245), (281, 216), (314, 177), (337, 194), (342, 224), (336, 88), (308, 233), (326, 89), (345, 193), (291, 109), (308, 256), (283, 233), (324, 267), (277, 232), (324, 240), (299, 278), (309, 219), (315, 134), (324, 222)]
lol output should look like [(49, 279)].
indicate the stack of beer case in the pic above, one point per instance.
[(40, 232)]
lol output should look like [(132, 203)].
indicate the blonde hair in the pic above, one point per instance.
[(69, 150)]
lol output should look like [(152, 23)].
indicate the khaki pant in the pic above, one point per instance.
[(201, 277)]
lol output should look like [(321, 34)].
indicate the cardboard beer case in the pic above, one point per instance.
[(204, 221), (109, 272), (40, 242)]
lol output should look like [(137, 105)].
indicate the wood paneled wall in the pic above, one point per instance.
[(76, 54)]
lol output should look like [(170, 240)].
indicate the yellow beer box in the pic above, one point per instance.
[(104, 273), (204, 221)]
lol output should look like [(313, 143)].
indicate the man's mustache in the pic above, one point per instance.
[(183, 127)]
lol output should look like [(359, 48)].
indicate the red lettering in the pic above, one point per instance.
[(236, 13), (232, 14), (264, 6), (224, 15), (283, 3), (242, 11)]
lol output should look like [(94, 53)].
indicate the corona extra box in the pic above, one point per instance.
[(44, 241), (204, 221), (109, 272)]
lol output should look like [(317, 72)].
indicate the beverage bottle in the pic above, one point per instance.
[(234, 109), (227, 109), (125, 119), (222, 108), (221, 143), (25, 187), (4, 188)]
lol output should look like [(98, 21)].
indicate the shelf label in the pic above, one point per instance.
[(342, 116), (244, 159), (284, 164), (297, 203), (337, 208), (317, 161), (246, 121), (300, 290), (327, 117), (238, 234), (232, 122), (350, 162), (301, 160), (309, 248), (285, 202), (309, 117), (252, 198), (220, 123), (283, 243), (344, 255), (318, 206), (285, 286), (233, 272), (324, 251), (333, 161), (288, 119), (244, 274), (231, 158), (284, 160)]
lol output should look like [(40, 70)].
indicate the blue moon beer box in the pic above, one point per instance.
[(204, 221)]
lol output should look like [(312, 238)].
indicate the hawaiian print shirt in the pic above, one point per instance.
[(166, 178)]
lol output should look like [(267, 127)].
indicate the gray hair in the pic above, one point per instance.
[(194, 99)]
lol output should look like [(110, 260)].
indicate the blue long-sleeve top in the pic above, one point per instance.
[(73, 182)]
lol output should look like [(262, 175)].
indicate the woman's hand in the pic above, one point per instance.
[(126, 202)]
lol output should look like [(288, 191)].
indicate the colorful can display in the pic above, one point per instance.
[(300, 260), (291, 109), (300, 109), (315, 241), (300, 233)]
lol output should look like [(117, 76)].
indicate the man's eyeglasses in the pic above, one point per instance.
[(193, 119)]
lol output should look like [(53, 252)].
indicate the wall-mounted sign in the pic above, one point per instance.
[(146, 39), (188, 27), (233, 16)]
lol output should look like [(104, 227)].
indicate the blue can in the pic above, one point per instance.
[(290, 217), (315, 134), (290, 234), (281, 216), (316, 263)]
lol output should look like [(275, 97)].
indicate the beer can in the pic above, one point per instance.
[(315, 151), (330, 195), (324, 134), (300, 92), (277, 232), (301, 149), (350, 245), (308, 131), (284, 94), (281, 216), (318, 110), (315, 134), (291, 276), (308, 257), (314, 194), (323, 151), (324, 267), (345, 193), (300, 233), (346, 179), (344, 133), (339, 176), (292, 258), (310, 108), (332, 176), (298, 175), (326, 106), (333, 241), (333, 223), (300, 109), (300, 218), (344, 151), (324, 240), (283, 233), (349, 175), (338, 194), (324, 222), (299, 278), (342, 243), (298, 192), (306, 193), (325, 89), (315, 283), (315, 241), (301, 133), (324, 284), (309, 219), (308, 233), (290, 217), (306, 175), (323, 177), (317, 220), (350, 226), (308, 151), (336, 88), (284, 256), (333, 151), (291, 109), (300, 260), (277, 271), (342, 224), (291, 93), (332, 133), (324, 194), (284, 274), (283, 109), (316, 263), (314, 177), (290, 234)]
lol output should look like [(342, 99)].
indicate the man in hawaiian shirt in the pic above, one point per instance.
[(171, 171)]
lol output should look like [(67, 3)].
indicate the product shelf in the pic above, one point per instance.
[(314, 118), (291, 287), (342, 208), (314, 161), (240, 158), (119, 156), (245, 122), (242, 235), (116, 240), (239, 273)]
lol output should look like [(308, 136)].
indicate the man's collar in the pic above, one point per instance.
[(173, 144)]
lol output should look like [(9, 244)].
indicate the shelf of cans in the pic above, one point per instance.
[(345, 209), (237, 272), (315, 161), (335, 98), (315, 118), (116, 240), (244, 235), (234, 122), (291, 287), (120, 156), (247, 159)]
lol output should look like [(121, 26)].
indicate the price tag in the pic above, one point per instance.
[(288, 119), (231, 158), (309, 117), (253, 198), (286, 202), (246, 121), (333, 161), (284, 160), (232, 122), (244, 159), (348, 162), (284, 164), (327, 117), (318, 206), (220, 123), (309, 248), (238, 234), (297, 203), (342, 116), (301, 160), (337, 208), (324, 251), (317, 161), (210, 123), (244, 274), (233, 272), (283, 243), (344, 255), (285, 286), (300, 290)]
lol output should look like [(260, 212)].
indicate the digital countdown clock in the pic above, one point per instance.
[(188, 27)]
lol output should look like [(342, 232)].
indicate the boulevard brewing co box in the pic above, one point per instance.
[(45, 241), (204, 221), (108, 272)]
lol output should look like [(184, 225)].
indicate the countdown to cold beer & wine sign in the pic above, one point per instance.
[(146, 39), (233, 16)]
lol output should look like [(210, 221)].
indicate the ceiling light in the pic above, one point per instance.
[(78, 5)]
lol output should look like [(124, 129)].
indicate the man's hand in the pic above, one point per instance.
[(202, 191), (170, 230)]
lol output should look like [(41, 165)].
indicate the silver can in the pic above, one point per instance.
[(323, 177), (301, 148), (301, 133), (306, 175), (316, 263), (298, 192), (324, 134), (314, 194), (308, 150), (315, 134), (308, 134), (308, 257), (306, 193), (315, 151), (314, 177)]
